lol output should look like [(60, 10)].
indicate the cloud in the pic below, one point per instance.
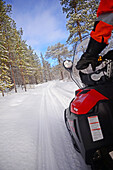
[(43, 25)]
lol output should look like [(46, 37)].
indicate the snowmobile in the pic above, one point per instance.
[(89, 117)]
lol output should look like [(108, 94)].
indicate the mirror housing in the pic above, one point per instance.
[(68, 65)]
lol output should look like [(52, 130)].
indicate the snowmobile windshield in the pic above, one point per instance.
[(80, 49)]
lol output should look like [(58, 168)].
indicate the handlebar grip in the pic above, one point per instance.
[(108, 55)]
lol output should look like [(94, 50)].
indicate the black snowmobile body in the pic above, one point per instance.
[(89, 120), (90, 117)]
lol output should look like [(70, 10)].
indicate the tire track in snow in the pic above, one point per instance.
[(46, 159), (33, 134), (64, 148), (56, 149), (64, 101)]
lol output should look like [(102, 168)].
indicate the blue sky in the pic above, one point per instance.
[(43, 22)]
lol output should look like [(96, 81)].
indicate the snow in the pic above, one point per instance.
[(33, 135)]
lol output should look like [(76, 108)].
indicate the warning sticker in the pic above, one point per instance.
[(95, 128)]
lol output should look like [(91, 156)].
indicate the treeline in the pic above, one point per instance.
[(19, 65)]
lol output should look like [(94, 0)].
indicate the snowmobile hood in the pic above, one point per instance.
[(85, 100)]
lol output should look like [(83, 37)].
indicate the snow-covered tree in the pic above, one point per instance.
[(58, 52), (44, 67), (18, 63), (81, 15), (5, 79)]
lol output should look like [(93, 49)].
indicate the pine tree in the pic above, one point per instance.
[(44, 67), (5, 79), (18, 63), (48, 69), (37, 69), (11, 47), (81, 15), (58, 52), (20, 53), (33, 66)]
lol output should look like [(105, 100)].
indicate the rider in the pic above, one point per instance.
[(99, 35)]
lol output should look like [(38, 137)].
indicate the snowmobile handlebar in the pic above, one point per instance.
[(68, 64), (108, 56), (87, 78)]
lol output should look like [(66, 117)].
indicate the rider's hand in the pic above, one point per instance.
[(91, 55), (108, 55), (85, 60)]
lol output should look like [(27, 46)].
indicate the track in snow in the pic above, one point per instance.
[(33, 135)]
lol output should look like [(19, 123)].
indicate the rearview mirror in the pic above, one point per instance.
[(68, 64)]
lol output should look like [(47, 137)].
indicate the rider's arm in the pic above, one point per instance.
[(99, 35), (104, 22)]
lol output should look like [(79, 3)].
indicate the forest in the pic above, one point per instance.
[(20, 65)]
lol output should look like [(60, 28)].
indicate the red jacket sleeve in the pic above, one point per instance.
[(105, 6), (103, 29)]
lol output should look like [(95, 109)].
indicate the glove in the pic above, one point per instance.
[(91, 55), (85, 60), (108, 55)]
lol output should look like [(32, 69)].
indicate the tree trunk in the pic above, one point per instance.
[(2, 93), (13, 76), (78, 24), (79, 32), (23, 78), (36, 81), (62, 76), (61, 72), (50, 76)]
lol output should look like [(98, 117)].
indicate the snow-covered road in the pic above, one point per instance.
[(33, 135)]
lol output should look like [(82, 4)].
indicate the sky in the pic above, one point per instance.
[(43, 22)]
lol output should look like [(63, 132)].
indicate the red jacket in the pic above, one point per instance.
[(105, 6), (104, 25)]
